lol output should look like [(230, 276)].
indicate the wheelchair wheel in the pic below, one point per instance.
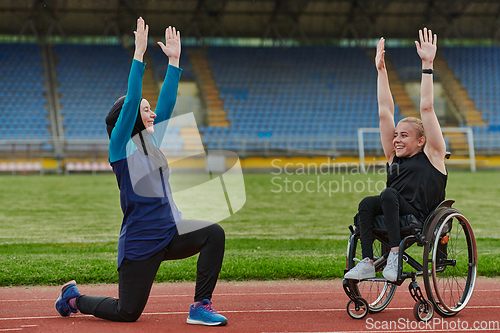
[(423, 311), (358, 309), (377, 292), (450, 260)]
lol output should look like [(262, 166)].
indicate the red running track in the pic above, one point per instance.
[(277, 306)]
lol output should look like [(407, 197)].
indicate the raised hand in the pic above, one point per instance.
[(141, 39), (427, 47), (379, 57), (172, 46)]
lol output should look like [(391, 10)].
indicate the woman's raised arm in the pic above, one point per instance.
[(124, 125), (435, 147), (385, 104), (141, 39)]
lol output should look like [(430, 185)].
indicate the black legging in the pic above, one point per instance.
[(389, 203), (136, 277)]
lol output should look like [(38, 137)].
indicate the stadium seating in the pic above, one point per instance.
[(87, 166), (160, 63), (297, 97), (91, 78), (22, 110), (478, 70), (407, 63)]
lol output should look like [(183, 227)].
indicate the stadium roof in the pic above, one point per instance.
[(277, 19)]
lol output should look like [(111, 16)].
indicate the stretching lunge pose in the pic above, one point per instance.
[(416, 173), (151, 221)]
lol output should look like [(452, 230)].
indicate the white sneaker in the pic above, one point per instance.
[(391, 268), (363, 270)]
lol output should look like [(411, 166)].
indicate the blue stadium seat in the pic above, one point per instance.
[(91, 78), (274, 90), (160, 63), (22, 92), (478, 70)]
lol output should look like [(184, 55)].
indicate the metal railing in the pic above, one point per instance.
[(18, 150)]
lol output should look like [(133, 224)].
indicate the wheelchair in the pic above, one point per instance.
[(448, 268)]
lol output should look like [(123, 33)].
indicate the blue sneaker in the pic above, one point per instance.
[(204, 314), (68, 291)]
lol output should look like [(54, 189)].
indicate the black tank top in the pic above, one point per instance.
[(418, 181)]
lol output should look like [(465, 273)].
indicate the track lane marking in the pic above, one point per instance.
[(227, 294), (237, 311)]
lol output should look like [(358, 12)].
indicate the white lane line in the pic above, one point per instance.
[(16, 328), (259, 294), (191, 295), (42, 317), (185, 312), (226, 294), (27, 300), (242, 311), (188, 295)]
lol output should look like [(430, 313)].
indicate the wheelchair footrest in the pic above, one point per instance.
[(416, 292), (376, 279)]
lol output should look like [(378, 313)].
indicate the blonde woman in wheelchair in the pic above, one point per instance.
[(416, 174)]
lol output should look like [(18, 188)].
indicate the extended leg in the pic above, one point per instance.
[(135, 281)]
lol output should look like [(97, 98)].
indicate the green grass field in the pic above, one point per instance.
[(56, 228)]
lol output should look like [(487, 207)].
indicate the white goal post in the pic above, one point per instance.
[(467, 130)]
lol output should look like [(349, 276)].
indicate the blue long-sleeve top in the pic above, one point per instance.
[(149, 212)]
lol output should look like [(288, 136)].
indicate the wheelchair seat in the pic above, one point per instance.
[(409, 224)]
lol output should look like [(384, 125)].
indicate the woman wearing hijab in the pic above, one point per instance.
[(149, 232)]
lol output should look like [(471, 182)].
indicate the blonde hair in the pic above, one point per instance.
[(418, 125)]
